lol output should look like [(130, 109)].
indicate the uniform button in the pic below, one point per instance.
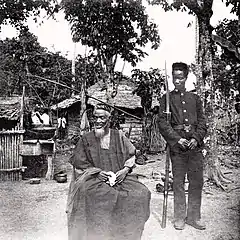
[(184, 110), (183, 102), (182, 94)]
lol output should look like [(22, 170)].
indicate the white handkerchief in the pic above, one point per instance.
[(112, 178)]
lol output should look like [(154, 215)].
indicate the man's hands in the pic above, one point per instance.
[(121, 174), (185, 144), (103, 176), (192, 143)]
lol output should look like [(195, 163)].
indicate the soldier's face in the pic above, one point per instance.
[(179, 79)]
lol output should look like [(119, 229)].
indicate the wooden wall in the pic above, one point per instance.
[(10, 159), (136, 128)]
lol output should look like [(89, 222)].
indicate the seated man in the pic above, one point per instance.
[(105, 201)]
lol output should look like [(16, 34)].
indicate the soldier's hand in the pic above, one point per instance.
[(183, 143), (192, 143), (103, 176)]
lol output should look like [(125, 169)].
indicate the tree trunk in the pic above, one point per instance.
[(144, 138), (146, 102), (206, 90)]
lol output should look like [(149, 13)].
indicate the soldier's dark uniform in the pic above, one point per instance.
[(187, 121)]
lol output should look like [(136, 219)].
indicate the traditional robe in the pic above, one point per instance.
[(97, 211)]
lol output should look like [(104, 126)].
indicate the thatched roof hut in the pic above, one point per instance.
[(124, 100), (10, 108), (66, 103), (10, 112), (124, 97)]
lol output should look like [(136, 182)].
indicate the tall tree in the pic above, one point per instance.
[(113, 29), (148, 84), (202, 9)]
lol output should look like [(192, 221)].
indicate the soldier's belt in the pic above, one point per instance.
[(186, 128)]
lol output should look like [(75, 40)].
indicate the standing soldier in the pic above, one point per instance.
[(184, 134)]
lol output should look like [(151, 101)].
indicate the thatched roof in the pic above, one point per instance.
[(66, 103), (124, 98), (10, 107)]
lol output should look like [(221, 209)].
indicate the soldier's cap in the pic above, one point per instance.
[(101, 106), (180, 66)]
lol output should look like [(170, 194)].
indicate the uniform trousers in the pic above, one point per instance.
[(190, 163)]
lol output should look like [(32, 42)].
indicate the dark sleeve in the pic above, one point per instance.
[(79, 158), (201, 129), (129, 152), (128, 147), (170, 135)]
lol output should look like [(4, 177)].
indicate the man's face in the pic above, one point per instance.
[(101, 122), (179, 79)]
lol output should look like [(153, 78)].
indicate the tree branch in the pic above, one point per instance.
[(194, 5)]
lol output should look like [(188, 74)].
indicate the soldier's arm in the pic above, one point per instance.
[(201, 129), (170, 135)]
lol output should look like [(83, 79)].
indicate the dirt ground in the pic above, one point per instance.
[(37, 212)]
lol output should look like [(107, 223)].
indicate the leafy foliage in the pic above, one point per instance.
[(148, 83), (194, 6), (227, 66), (24, 62), (87, 68), (235, 6), (112, 28), (16, 12), (22, 57)]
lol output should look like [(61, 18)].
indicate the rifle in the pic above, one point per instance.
[(167, 163)]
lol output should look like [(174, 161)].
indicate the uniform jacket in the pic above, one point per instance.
[(186, 108)]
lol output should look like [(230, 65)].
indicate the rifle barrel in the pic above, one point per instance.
[(167, 164)]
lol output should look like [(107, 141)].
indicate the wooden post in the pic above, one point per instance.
[(1, 157), (22, 109), (20, 157), (73, 68), (49, 174), (50, 158)]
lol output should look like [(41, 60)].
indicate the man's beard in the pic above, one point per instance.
[(100, 132)]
